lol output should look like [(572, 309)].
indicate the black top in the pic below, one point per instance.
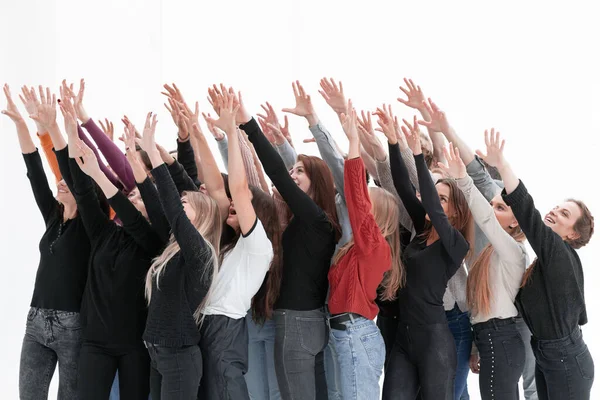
[(185, 157), (64, 248), (428, 268), (114, 307), (308, 241), (186, 278), (552, 302), (180, 177)]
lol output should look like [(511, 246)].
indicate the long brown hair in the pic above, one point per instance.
[(479, 294), (386, 211), (322, 189), (584, 227), (462, 220)]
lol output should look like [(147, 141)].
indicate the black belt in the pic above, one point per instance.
[(337, 321), (493, 323)]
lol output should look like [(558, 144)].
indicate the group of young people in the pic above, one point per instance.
[(185, 282)]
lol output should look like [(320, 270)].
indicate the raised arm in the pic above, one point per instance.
[(454, 242), (238, 183), (483, 213)]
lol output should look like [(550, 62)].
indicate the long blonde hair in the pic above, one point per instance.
[(208, 224), (386, 211), (479, 294)]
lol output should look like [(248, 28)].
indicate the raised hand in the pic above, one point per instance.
[(414, 94), (173, 93), (413, 135), (456, 167), (11, 108), (304, 107), (148, 143), (386, 123), (87, 161), (78, 100), (108, 129), (175, 110), (227, 118), (439, 121), (350, 122), (494, 148), (70, 117), (216, 132), (334, 95), (242, 116), (213, 94), (45, 114)]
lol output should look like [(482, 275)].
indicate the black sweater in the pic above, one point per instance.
[(64, 248), (552, 302), (114, 308), (428, 268), (185, 157), (185, 280), (308, 241)]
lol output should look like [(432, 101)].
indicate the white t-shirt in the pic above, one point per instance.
[(241, 275)]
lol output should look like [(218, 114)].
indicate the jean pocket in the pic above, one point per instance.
[(313, 334), (514, 350), (31, 314), (375, 349), (586, 364), (68, 320)]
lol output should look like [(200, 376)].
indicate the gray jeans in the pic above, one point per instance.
[(51, 336), (300, 340)]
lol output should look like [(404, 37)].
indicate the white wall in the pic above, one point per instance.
[(530, 69)]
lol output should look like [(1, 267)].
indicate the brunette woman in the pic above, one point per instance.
[(551, 298), (424, 355), (308, 244)]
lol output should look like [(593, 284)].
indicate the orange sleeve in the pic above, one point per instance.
[(47, 146)]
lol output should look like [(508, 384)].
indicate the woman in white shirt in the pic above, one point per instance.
[(493, 283), (245, 262)]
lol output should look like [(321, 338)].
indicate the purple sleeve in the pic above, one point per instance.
[(109, 174), (115, 158)]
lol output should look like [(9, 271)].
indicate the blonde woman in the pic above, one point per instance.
[(493, 283), (178, 282)]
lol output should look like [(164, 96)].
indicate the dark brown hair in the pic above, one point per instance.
[(322, 188)]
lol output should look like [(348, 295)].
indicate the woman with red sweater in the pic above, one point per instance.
[(357, 270)]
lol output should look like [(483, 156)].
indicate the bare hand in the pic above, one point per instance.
[(456, 167), (108, 129), (228, 111), (304, 107), (413, 135), (78, 100), (439, 122), (350, 122), (148, 143), (474, 363), (45, 115), (87, 161), (334, 95), (216, 132), (11, 108), (414, 94), (494, 148), (386, 123)]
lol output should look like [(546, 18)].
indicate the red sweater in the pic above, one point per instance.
[(353, 281)]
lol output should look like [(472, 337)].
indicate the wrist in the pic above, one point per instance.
[(183, 136), (84, 118), (245, 117), (312, 119)]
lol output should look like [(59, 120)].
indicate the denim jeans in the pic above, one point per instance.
[(501, 358), (175, 372), (50, 336), (98, 363), (224, 346), (360, 352), (300, 340), (260, 378), (423, 360), (564, 368), (529, 389), (460, 326)]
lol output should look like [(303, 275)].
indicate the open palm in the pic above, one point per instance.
[(494, 148)]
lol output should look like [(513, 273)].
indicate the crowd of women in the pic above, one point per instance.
[(162, 276)]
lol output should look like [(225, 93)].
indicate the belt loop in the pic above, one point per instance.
[(351, 317)]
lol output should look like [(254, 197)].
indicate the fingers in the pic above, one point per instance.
[(309, 140)]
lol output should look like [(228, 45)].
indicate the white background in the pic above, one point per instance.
[(529, 69)]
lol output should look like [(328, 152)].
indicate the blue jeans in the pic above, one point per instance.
[(360, 353), (261, 378), (460, 326), (51, 337)]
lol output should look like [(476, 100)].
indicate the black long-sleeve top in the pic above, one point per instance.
[(64, 248), (185, 281), (552, 302), (308, 241), (185, 157), (183, 181), (114, 307), (428, 268)]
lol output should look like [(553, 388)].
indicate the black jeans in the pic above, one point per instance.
[(50, 337), (175, 372), (300, 340), (388, 326), (423, 360), (501, 358), (564, 368), (98, 364), (224, 345)]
